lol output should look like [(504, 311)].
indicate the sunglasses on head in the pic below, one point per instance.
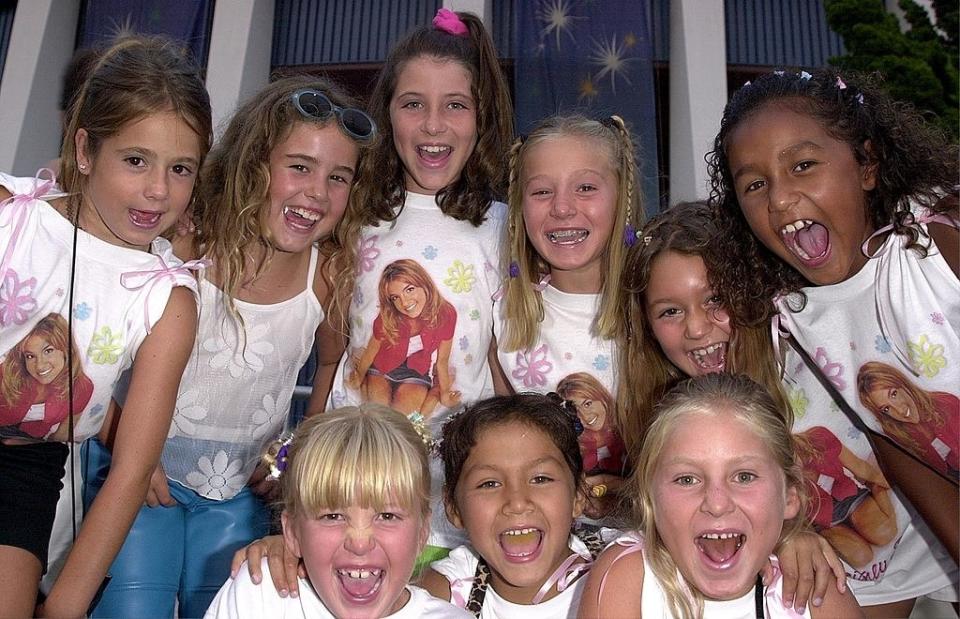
[(314, 104)]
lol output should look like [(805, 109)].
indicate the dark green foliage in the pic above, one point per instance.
[(919, 66)]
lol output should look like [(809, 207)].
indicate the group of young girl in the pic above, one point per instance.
[(728, 373)]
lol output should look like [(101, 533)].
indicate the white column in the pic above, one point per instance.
[(41, 45), (480, 8), (239, 62), (698, 92)]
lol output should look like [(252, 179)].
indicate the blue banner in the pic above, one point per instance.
[(593, 57)]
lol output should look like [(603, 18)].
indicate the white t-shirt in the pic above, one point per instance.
[(235, 393), (912, 562), (240, 598), (461, 262), (460, 567), (118, 295)]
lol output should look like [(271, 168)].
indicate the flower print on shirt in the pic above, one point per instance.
[(269, 417), (797, 399), (186, 415), (532, 367), (368, 253), (82, 311), (238, 357), (460, 277), (927, 357), (832, 370), (217, 479), (105, 346), (17, 302)]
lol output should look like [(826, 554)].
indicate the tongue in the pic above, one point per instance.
[(359, 587), (520, 544), (713, 359), (434, 156), (719, 550), (813, 239)]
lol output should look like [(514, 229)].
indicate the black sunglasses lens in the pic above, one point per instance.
[(357, 123), (314, 104)]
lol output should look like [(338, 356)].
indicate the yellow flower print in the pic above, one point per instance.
[(461, 277), (927, 357), (106, 347), (797, 399)]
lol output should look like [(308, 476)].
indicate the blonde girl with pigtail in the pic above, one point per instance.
[(574, 210)]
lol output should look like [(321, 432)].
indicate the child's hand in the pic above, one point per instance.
[(267, 488), (450, 398), (159, 492), (807, 561), (353, 379), (285, 567)]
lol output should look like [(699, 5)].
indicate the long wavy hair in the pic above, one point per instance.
[(523, 304), (52, 328), (234, 202), (411, 272), (915, 164), (712, 394)]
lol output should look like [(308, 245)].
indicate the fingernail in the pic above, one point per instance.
[(800, 609), (788, 602), (255, 579), (817, 601), (294, 594), (283, 593)]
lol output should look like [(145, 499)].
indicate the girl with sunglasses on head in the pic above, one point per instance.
[(274, 190)]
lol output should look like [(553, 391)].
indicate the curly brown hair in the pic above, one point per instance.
[(915, 164)]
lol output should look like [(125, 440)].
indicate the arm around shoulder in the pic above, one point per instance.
[(435, 583), (837, 605), (613, 585)]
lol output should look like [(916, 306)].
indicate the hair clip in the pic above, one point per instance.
[(419, 423), (449, 22), (277, 454), (630, 235), (514, 269), (805, 76), (647, 240), (840, 84), (779, 73), (860, 98)]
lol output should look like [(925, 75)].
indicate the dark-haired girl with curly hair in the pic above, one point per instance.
[(839, 204)]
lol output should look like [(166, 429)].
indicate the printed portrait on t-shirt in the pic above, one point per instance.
[(35, 383), (406, 362), (852, 507), (925, 423), (600, 445)]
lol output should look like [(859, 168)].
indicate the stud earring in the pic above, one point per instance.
[(82, 166)]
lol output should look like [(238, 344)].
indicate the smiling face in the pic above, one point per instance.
[(434, 119), (895, 403), (685, 315), (516, 500), (311, 174), (43, 361), (358, 559), (569, 206), (720, 500), (802, 192), (408, 298), (592, 413), (139, 181)]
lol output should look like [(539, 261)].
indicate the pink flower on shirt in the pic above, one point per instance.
[(17, 302), (831, 369), (368, 253), (532, 367)]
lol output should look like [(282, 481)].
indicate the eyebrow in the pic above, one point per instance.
[(140, 150), (784, 154), (738, 461), (527, 465), (580, 171), (314, 160)]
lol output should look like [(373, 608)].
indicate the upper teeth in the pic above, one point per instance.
[(362, 573), (434, 149), (302, 212), (720, 535), (702, 352), (519, 531), (800, 224)]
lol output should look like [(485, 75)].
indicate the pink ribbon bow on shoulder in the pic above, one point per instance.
[(178, 275)]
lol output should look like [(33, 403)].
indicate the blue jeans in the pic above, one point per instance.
[(173, 553)]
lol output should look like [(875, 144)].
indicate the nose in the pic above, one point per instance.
[(697, 324), (359, 540), (716, 499), (433, 121), (158, 185), (316, 189), (782, 194), (562, 206), (517, 501)]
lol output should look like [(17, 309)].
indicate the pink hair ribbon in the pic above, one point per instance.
[(449, 22), (179, 275), (13, 211)]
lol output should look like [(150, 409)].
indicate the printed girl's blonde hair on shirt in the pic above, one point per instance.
[(707, 395), (524, 304), (368, 455)]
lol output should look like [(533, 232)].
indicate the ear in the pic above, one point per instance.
[(453, 514), (81, 142), (289, 533), (868, 170), (792, 507)]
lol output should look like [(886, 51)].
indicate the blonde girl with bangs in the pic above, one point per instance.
[(715, 489), (274, 191), (356, 511), (574, 208)]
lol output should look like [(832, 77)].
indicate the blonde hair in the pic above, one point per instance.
[(524, 304), (368, 455), (234, 202), (689, 229), (711, 394)]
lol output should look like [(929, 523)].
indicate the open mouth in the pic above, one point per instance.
[(807, 240), (144, 219), (710, 358), (434, 153), (361, 584), (568, 237), (44, 372), (301, 218), (720, 548), (521, 544)]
